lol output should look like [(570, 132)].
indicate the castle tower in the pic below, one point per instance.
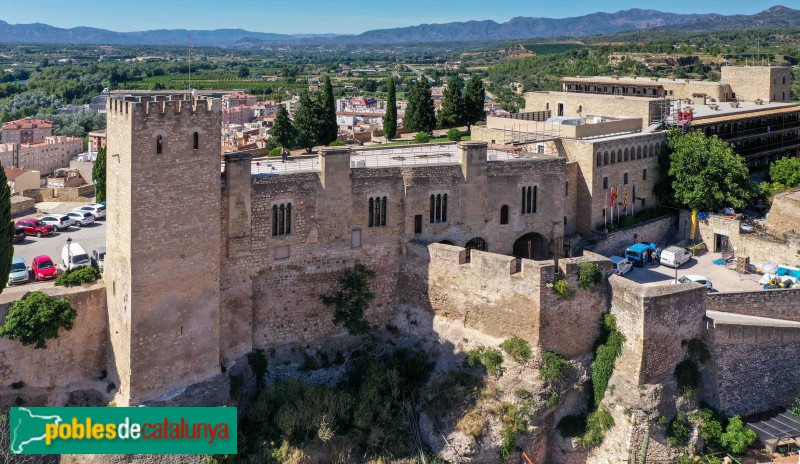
[(163, 263)]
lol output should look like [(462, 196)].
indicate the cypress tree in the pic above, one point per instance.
[(309, 122), (474, 96), (452, 112), (390, 119), (6, 228), (283, 131), (99, 175), (330, 131), (420, 113)]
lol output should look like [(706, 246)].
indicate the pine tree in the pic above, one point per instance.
[(6, 228), (452, 112), (309, 121), (99, 175), (420, 113), (330, 130), (474, 96), (283, 130), (390, 119)]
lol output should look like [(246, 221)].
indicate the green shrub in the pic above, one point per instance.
[(737, 438), (37, 318), (79, 276), (454, 135), (697, 350), (514, 422), (589, 275), (519, 349), (572, 426), (605, 357), (687, 376), (275, 152), (337, 143), (490, 358), (596, 425), (710, 423), (679, 430), (552, 400), (422, 137), (554, 366), (521, 393), (352, 299), (796, 407), (561, 288)]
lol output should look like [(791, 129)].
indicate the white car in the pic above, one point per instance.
[(620, 265), (59, 221), (695, 279), (98, 210), (81, 218)]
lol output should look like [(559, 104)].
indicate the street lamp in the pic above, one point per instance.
[(69, 253)]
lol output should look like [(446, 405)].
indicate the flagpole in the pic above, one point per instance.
[(605, 223)]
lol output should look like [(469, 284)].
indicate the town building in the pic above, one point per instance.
[(27, 130), (20, 180), (97, 140), (53, 152), (232, 100)]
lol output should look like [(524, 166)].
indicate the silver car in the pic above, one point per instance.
[(59, 221), (81, 218), (19, 272)]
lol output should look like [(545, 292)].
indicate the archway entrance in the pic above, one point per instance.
[(531, 246), (476, 243)]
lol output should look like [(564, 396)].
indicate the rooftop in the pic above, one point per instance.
[(721, 112), (13, 173), (640, 80), (415, 155), (28, 123)]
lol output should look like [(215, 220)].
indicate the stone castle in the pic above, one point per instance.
[(208, 262)]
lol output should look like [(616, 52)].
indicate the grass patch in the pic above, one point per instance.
[(679, 430), (81, 276), (589, 275), (606, 356), (596, 425), (473, 423), (519, 349), (554, 367), (561, 288), (490, 358), (514, 422)]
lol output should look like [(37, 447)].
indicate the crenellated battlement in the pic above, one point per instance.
[(162, 104)]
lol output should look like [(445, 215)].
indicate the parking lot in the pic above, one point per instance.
[(89, 237), (723, 279)]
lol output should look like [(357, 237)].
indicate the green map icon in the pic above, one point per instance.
[(27, 427)]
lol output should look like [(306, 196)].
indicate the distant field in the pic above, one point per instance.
[(207, 81), (552, 48)]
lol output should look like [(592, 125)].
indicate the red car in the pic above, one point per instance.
[(35, 227), (43, 268)]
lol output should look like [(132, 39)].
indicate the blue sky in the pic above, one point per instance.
[(329, 16)]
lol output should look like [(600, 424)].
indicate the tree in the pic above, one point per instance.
[(330, 130), (707, 174), (99, 175), (390, 118), (6, 228), (244, 71), (474, 97), (352, 299), (786, 172), (420, 113), (309, 121), (283, 130), (737, 438), (452, 112), (37, 318)]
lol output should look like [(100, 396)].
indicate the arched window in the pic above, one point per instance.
[(195, 141), (547, 106), (281, 219), (613, 156), (438, 208), (784, 80), (159, 144), (529, 194), (377, 212), (605, 158), (639, 152), (626, 154), (504, 214), (580, 108), (599, 159)]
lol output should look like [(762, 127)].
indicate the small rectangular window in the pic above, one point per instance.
[(418, 224), (625, 178), (566, 189), (644, 174), (605, 183), (355, 238)]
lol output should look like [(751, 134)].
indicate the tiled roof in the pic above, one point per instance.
[(13, 173), (28, 123)]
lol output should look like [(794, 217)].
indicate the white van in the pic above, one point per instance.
[(674, 256), (74, 256)]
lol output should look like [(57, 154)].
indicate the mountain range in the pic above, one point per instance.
[(515, 28)]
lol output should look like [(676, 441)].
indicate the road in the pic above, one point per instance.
[(89, 237)]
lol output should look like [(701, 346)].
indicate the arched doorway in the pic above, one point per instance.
[(531, 246), (476, 243)]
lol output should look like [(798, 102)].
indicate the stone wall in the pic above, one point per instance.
[(75, 360), (768, 83), (652, 231), (583, 104), (756, 366), (22, 205), (784, 215), (71, 194), (775, 304)]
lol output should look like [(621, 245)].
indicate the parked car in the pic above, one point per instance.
[(81, 218), (675, 256), (99, 258), (74, 256), (98, 210), (637, 254), (620, 265), (696, 279), (35, 227), (43, 268), (19, 234), (19, 272), (59, 221)]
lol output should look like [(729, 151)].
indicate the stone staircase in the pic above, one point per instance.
[(669, 238)]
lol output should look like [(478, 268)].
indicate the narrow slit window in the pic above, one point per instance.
[(159, 144), (195, 141)]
